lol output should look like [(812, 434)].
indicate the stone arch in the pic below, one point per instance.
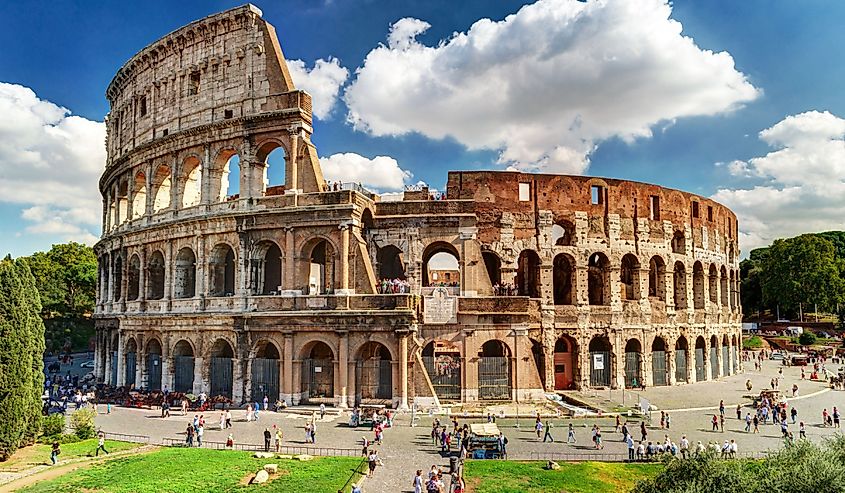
[(698, 285), (633, 363), (659, 362), (723, 285), (528, 274), (679, 279), (317, 370), (391, 262), (320, 272), (601, 361), (266, 267), (265, 371), (271, 155), (726, 356), (374, 372), (367, 222), (161, 188), (629, 277), (134, 286), (713, 283), (185, 274), (714, 357), (122, 202), (152, 357), (227, 167), (441, 265), (563, 274), (139, 198), (679, 242), (130, 358), (183, 366), (493, 265), (657, 278), (221, 271), (681, 359), (563, 233), (118, 277), (494, 371), (155, 276), (598, 279), (221, 365), (564, 359), (190, 180), (700, 359), (442, 360)]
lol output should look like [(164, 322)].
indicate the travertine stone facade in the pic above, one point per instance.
[(562, 281)]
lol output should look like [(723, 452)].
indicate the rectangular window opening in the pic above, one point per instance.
[(710, 213), (143, 106), (228, 114), (597, 194), (694, 209), (194, 86), (654, 207), (524, 192)]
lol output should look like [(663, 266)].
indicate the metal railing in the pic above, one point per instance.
[(599, 456), (359, 471), (126, 437), (251, 447)]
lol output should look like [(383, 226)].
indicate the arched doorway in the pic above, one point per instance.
[(629, 277), (441, 265), (265, 372), (442, 361), (528, 274), (131, 363), (134, 278), (562, 269), (633, 360), (275, 182), (700, 365), (713, 285), (714, 357), (222, 271), (374, 373), (679, 243), (183, 367), (153, 360), (267, 268), (726, 357), (600, 362), (565, 356), (597, 279), (681, 350), (155, 273), (185, 283), (321, 270), (494, 375), (191, 182), (698, 285), (318, 372), (118, 278), (657, 278), (220, 366), (659, 363)]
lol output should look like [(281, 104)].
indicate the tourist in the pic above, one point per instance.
[(802, 433), (255, 410), (184, 406), (739, 411), (366, 446), (101, 444), (699, 447), (662, 420), (756, 422), (279, 437), (835, 417), (734, 448), (715, 423), (643, 431), (598, 439), (418, 482), (549, 432), (503, 445), (222, 421), (722, 422), (267, 437), (228, 418), (794, 414), (322, 411), (618, 425), (624, 431), (459, 484), (629, 440), (570, 435), (684, 446), (824, 417), (266, 403), (307, 432), (668, 421), (538, 427), (372, 461), (200, 431), (640, 451), (249, 412), (230, 442), (54, 453), (747, 422)]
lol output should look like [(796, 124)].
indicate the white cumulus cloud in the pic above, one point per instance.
[(50, 162), (800, 185), (380, 173), (546, 84), (323, 82)]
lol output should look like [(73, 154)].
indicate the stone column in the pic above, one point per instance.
[(403, 371), (351, 389), (670, 365), (205, 185), (289, 280), (287, 373), (175, 172), (108, 355), (110, 281), (142, 275), (344, 259), (148, 176), (202, 268), (121, 361), (291, 168), (98, 350), (168, 272), (343, 363)]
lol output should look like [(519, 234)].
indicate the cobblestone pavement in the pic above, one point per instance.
[(409, 448)]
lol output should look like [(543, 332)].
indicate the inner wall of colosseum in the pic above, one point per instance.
[(214, 278)]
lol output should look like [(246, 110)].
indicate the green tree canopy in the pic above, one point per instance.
[(66, 277)]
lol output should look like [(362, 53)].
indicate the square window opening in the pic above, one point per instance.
[(524, 192)]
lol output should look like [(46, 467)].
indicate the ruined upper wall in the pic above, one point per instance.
[(225, 66)]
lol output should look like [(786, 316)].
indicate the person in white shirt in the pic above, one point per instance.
[(684, 446)]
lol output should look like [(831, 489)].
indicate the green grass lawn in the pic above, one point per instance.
[(39, 454), (492, 476), (201, 470)]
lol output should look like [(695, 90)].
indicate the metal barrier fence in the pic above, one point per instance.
[(250, 447), (359, 471), (611, 457), (126, 437)]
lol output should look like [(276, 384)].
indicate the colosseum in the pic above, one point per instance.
[(216, 277)]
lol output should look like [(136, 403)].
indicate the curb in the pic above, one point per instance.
[(744, 404)]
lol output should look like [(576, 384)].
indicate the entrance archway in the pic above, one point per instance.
[(318, 372), (633, 360), (726, 357), (374, 373), (598, 279), (153, 360), (681, 353), (155, 276), (700, 365), (321, 270), (222, 271), (563, 269), (442, 361), (131, 363), (659, 362), (220, 368), (528, 274), (600, 361), (494, 375), (185, 282), (565, 356), (265, 372), (183, 367), (714, 357), (441, 265), (390, 263)]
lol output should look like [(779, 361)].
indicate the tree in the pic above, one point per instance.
[(807, 338), (21, 350), (803, 269), (67, 279)]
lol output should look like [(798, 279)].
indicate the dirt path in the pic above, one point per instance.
[(44, 472)]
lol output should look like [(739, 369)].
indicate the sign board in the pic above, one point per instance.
[(318, 369), (440, 307), (315, 302), (598, 362)]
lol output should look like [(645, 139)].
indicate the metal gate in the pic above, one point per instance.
[(444, 370), (600, 368), (736, 359), (114, 369), (726, 362), (265, 379), (680, 365), (154, 371), (317, 378), (632, 369), (494, 378), (183, 380), (714, 362), (658, 368), (700, 372), (221, 377), (130, 369), (375, 379)]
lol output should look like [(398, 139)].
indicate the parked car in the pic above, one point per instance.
[(777, 357), (87, 364)]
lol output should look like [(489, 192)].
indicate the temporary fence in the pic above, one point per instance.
[(599, 456), (251, 447)]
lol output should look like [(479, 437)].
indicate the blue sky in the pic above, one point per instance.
[(697, 133)]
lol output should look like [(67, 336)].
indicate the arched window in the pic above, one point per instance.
[(221, 366), (183, 366), (600, 361), (133, 290), (700, 364), (713, 284), (222, 271), (153, 364), (391, 264), (657, 278), (698, 285), (563, 234), (118, 277), (265, 372), (629, 277), (161, 184), (723, 287), (272, 155), (139, 200), (318, 371), (122, 202), (229, 185), (659, 365), (441, 265), (528, 274), (563, 269), (681, 355), (321, 272), (185, 281), (680, 285), (191, 182), (633, 357), (679, 243), (598, 279), (155, 276), (267, 268)]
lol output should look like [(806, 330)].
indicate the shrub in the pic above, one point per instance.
[(807, 339), (52, 426), (83, 422), (752, 342)]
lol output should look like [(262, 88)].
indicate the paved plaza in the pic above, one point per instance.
[(407, 448)]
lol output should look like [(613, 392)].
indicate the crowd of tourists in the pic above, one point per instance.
[(393, 286), (505, 289)]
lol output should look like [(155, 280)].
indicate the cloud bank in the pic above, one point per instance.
[(323, 82)]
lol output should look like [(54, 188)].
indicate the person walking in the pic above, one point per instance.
[(684, 446), (643, 431), (668, 421), (722, 422), (802, 433), (794, 414), (747, 422), (756, 422), (322, 410), (266, 403), (372, 462), (739, 411), (222, 421), (629, 440), (279, 437), (228, 418), (54, 453), (835, 417), (200, 432), (548, 434), (189, 435), (101, 444), (715, 423), (418, 482), (230, 442), (503, 445), (267, 437), (538, 427), (570, 434), (722, 407)]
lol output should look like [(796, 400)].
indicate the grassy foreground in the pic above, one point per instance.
[(491, 476), (39, 453), (200, 470)]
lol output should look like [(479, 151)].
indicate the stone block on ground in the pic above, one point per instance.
[(271, 468), (285, 456), (261, 477), (304, 457), (263, 455)]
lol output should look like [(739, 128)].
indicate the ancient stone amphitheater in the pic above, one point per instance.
[(213, 278)]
